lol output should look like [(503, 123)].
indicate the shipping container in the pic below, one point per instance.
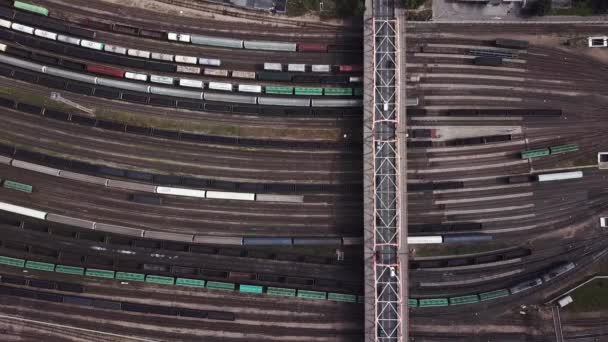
[(220, 86), (308, 91), (115, 49), (278, 291), (338, 91), (17, 186), (180, 37), (41, 215), (312, 294), (342, 297), (68, 39), (12, 261), (138, 53), (162, 56), (296, 67), (95, 272), (560, 176), (279, 90), (159, 279), (31, 8), (135, 76), (350, 68), (190, 282), (45, 34), (217, 285), (355, 79), (161, 79), (105, 70), (209, 61), (563, 148), (433, 302), (22, 28), (5, 23), (493, 294), (464, 300), (185, 59), (243, 74), (188, 69), (69, 269), (273, 67), (241, 196), (320, 68), (250, 88), (191, 83), (91, 44), (529, 154), (130, 276), (312, 47), (216, 72), (40, 266)]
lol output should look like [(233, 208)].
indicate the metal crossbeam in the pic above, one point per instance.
[(387, 225)]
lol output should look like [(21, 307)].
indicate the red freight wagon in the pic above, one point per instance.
[(312, 47), (105, 70), (350, 68)]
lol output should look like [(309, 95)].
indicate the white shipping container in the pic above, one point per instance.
[(244, 74), (162, 56), (136, 76), (91, 44), (22, 28), (241, 196), (353, 79), (115, 49), (68, 39), (180, 192), (220, 86), (161, 79), (45, 34), (564, 301), (2, 47), (138, 53), (273, 66), (184, 82), (320, 68), (185, 59), (296, 67), (188, 69), (216, 72), (22, 210), (560, 176), (209, 61), (424, 239), (179, 37), (5, 23), (250, 88)]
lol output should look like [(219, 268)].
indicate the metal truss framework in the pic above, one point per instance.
[(387, 224)]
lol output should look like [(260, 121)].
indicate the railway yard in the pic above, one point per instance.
[(181, 181)]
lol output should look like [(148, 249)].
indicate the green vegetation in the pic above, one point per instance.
[(329, 9), (413, 4), (583, 8), (591, 297)]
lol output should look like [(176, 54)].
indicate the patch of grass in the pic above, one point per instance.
[(458, 249), (324, 134), (331, 8), (580, 7), (591, 297)]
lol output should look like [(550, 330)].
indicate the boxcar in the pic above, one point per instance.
[(105, 70)]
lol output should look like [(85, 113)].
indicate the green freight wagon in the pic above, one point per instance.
[(464, 300), (159, 280), (130, 276), (279, 90), (534, 153), (278, 291), (312, 294), (340, 297), (563, 148), (218, 285), (251, 289), (95, 272), (493, 294), (309, 91), (190, 282), (12, 261), (31, 8), (338, 91), (412, 302), (17, 186), (40, 266), (433, 302), (69, 269)]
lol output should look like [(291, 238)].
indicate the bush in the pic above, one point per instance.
[(331, 8)]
